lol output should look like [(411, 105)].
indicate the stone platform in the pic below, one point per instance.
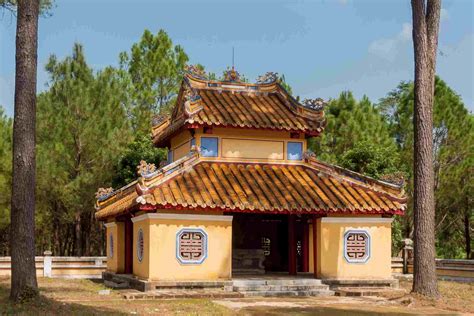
[(267, 285), (374, 287), (241, 286)]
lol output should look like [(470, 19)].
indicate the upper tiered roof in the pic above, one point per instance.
[(233, 103)]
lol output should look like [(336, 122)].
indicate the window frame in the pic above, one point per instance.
[(366, 258), (204, 239), (217, 146), (170, 156), (288, 151)]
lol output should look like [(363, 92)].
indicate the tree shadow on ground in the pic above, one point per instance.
[(42, 305)]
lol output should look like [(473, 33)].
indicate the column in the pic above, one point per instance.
[(315, 246), (305, 245), (291, 245)]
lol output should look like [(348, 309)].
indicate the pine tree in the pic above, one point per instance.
[(155, 69), (6, 129), (351, 123), (22, 224), (453, 162), (82, 129)]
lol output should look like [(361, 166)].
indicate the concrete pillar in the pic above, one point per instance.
[(47, 264)]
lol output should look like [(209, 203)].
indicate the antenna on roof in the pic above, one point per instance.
[(232, 57)]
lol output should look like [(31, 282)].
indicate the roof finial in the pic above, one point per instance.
[(233, 58)]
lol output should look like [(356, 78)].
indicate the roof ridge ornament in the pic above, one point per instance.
[(232, 75), (268, 77), (144, 169), (317, 104), (159, 119), (192, 98), (196, 72), (103, 193)]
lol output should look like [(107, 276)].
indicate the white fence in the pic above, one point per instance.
[(62, 267)]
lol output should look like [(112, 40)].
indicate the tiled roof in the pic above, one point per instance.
[(240, 105), (310, 187)]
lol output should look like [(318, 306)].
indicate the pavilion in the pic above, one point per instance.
[(241, 193)]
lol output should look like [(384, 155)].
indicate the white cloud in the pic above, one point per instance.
[(388, 48)]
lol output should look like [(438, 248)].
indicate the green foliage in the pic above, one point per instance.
[(6, 132), (370, 159), (453, 161), (81, 130), (349, 123), (154, 69), (141, 148)]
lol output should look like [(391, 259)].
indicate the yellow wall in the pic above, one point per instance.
[(250, 145), (333, 265), (181, 144), (182, 150), (160, 262), (116, 263), (141, 269)]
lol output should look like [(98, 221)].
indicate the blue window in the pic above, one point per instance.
[(193, 142), (170, 156), (295, 151), (209, 147)]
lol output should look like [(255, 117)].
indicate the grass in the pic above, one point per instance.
[(80, 297), (454, 296)]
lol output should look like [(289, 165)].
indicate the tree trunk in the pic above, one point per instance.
[(425, 42), (78, 235), (22, 228), (467, 235)]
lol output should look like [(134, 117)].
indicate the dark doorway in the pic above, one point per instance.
[(267, 232), (128, 246)]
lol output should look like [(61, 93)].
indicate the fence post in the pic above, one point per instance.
[(407, 247), (47, 264)]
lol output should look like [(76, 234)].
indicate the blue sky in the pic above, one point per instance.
[(323, 47)]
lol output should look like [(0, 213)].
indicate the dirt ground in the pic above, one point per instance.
[(81, 297)]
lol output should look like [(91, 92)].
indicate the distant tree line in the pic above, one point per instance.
[(93, 129)]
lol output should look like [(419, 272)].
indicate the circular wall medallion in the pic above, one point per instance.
[(111, 245), (140, 245)]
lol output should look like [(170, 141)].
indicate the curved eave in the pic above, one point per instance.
[(305, 188)]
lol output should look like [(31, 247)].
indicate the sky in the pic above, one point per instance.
[(322, 47)]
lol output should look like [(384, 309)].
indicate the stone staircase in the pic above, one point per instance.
[(281, 287)]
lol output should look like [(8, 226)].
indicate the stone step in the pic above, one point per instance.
[(181, 294), (287, 293), (369, 291), (290, 287), (116, 285), (262, 282)]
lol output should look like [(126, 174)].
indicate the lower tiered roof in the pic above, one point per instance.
[(308, 187)]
